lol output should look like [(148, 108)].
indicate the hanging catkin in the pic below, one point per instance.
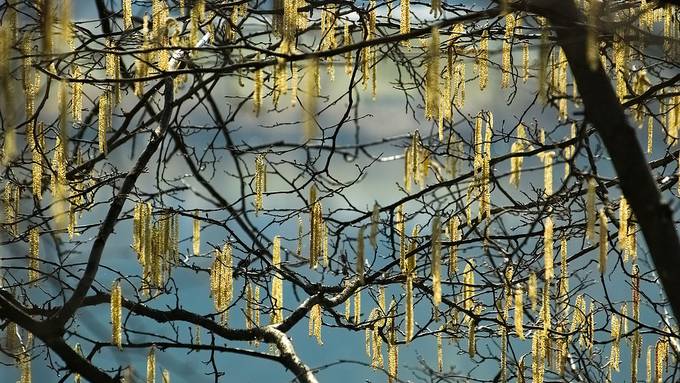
[(623, 226), (315, 323), (408, 334), (34, 252), (432, 78), (311, 93), (436, 263), (454, 236), (405, 20), (375, 221), (603, 242), (317, 228), (519, 312), (277, 283), (533, 290), (548, 249), (116, 314), (222, 280), (257, 88), (483, 60), (636, 343), (360, 254), (260, 181), (591, 214), (104, 123), (196, 237), (151, 366), (507, 50)]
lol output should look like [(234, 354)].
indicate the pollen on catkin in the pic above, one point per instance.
[(591, 216), (436, 263), (260, 181), (34, 255), (432, 94), (196, 236), (548, 249), (507, 50), (315, 323), (603, 241), (222, 280), (151, 366), (375, 221), (454, 236), (104, 120), (277, 283), (360, 254), (483, 60), (116, 314), (519, 312)]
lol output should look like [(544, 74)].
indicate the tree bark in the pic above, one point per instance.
[(604, 111)]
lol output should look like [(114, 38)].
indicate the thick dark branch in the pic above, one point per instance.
[(107, 226), (603, 110)]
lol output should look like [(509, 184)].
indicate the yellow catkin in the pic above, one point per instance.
[(37, 144), (440, 352), (25, 365), (317, 226), (196, 236), (547, 159), (104, 120), (315, 323), (660, 356), (76, 95), (166, 376), (649, 364), (538, 356), (10, 201), (257, 89), (623, 227), (392, 347), (432, 94), (311, 92), (260, 181), (590, 209), (483, 60), (436, 263), (563, 291), (519, 312), (360, 255), (277, 283), (636, 343), (151, 366), (507, 50), (650, 134), (400, 223), (504, 355), (405, 20), (127, 14), (34, 253), (548, 255), (375, 221), (454, 236), (222, 280), (468, 286), (357, 306), (604, 247), (525, 61), (533, 290), (116, 315), (408, 286), (614, 358)]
